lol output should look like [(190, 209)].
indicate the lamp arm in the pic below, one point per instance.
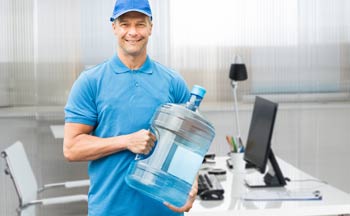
[(234, 90)]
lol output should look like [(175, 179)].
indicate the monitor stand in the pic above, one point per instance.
[(274, 176)]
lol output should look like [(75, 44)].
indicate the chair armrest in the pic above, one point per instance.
[(65, 199), (57, 200), (79, 183), (68, 184), (33, 202)]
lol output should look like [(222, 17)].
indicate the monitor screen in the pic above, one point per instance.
[(260, 133)]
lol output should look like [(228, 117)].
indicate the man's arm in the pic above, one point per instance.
[(79, 145)]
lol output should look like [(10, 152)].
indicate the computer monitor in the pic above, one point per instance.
[(258, 150)]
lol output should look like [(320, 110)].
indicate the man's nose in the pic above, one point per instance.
[(132, 30)]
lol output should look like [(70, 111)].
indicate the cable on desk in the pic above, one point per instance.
[(305, 180)]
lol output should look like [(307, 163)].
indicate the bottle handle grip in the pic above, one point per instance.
[(143, 156)]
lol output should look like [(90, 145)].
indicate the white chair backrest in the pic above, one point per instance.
[(29, 211), (22, 173)]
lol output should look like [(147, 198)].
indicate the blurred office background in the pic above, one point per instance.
[(297, 53)]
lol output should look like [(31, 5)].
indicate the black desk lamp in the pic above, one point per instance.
[(238, 72)]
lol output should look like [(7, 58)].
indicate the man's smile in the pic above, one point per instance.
[(133, 41)]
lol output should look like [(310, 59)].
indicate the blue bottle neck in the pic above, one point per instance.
[(194, 102)]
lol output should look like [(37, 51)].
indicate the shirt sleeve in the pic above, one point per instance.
[(181, 92), (81, 106)]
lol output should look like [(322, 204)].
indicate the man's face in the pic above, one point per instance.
[(132, 31)]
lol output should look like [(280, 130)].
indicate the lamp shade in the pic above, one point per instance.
[(238, 72)]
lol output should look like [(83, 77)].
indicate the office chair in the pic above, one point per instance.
[(22, 176)]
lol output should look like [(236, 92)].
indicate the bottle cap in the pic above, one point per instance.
[(198, 90)]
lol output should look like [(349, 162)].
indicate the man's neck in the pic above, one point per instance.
[(132, 62)]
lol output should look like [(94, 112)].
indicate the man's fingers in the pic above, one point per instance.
[(176, 209), (152, 136)]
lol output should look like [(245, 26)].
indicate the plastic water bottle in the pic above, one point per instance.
[(183, 139), (197, 95)]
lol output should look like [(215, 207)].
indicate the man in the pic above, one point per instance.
[(108, 114)]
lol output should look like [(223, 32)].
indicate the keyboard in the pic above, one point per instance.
[(209, 187)]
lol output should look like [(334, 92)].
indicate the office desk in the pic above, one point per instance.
[(334, 202), (57, 131)]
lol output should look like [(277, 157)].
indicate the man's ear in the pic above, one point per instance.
[(114, 27), (150, 33)]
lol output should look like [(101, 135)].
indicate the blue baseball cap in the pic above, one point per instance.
[(123, 6)]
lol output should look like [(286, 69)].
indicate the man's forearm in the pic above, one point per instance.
[(85, 147)]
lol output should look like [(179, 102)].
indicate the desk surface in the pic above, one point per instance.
[(334, 202), (57, 131)]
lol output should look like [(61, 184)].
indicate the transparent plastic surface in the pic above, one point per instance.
[(195, 100), (183, 138)]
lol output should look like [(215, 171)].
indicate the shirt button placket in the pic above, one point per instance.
[(135, 78)]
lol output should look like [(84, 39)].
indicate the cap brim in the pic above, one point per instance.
[(127, 11)]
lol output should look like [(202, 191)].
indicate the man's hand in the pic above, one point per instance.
[(141, 142), (191, 197)]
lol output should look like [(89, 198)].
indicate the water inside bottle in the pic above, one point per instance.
[(183, 138), (159, 185), (170, 176)]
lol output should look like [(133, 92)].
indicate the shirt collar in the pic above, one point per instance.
[(119, 67)]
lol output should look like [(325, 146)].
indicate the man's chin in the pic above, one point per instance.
[(133, 52)]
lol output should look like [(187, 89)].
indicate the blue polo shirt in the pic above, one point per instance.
[(116, 101)]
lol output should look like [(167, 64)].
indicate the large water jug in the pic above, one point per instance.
[(183, 138)]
